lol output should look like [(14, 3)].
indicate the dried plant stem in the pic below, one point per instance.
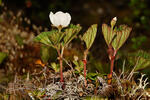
[(132, 72), (85, 62), (70, 65)]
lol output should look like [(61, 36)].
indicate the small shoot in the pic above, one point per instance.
[(78, 65), (115, 38), (88, 38)]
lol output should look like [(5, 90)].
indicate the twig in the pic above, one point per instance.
[(132, 72), (122, 73), (70, 65)]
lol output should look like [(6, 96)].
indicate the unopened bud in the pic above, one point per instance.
[(115, 18), (113, 22), (76, 58)]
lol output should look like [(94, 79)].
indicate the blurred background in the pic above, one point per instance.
[(22, 20)]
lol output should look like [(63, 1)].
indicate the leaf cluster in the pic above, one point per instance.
[(54, 38), (116, 37)]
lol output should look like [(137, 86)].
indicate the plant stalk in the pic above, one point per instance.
[(61, 72), (112, 64), (85, 62), (60, 54), (112, 55)]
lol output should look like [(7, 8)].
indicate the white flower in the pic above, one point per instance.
[(115, 18), (60, 19)]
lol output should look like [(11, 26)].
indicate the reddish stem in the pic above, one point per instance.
[(61, 64), (112, 55), (61, 73), (112, 64), (85, 62)]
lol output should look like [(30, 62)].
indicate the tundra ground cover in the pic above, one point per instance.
[(77, 82)]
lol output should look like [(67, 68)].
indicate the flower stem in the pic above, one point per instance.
[(85, 62), (60, 54), (61, 72), (112, 55), (111, 70), (112, 64)]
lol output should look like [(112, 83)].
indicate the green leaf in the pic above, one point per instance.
[(143, 54), (51, 38), (71, 33), (78, 66), (44, 38), (143, 62), (121, 36), (48, 53), (45, 54), (108, 34), (56, 37), (55, 67), (3, 56), (92, 76), (90, 35)]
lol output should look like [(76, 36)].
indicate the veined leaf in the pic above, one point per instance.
[(143, 62), (71, 33), (44, 38), (90, 35), (51, 38), (108, 33), (121, 36), (56, 37)]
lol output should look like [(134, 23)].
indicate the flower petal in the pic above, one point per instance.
[(51, 16), (67, 20), (61, 17), (56, 21)]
